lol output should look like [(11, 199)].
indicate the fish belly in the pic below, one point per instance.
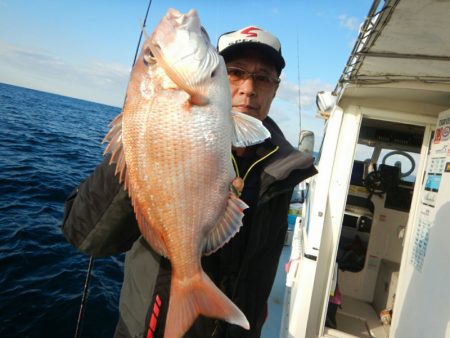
[(179, 171)]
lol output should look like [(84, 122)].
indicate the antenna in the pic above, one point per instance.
[(299, 87)]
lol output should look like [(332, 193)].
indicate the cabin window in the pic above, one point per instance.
[(363, 152), (405, 161)]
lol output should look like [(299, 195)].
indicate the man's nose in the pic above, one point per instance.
[(247, 87)]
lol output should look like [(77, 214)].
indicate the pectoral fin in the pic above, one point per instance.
[(190, 77), (247, 130)]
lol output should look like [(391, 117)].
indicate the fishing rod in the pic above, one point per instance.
[(91, 258), (142, 32), (84, 297)]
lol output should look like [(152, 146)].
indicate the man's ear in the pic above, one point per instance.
[(275, 91)]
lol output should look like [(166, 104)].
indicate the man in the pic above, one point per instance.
[(99, 218)]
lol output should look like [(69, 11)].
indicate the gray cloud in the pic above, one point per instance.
[(95, 81), (289, 92), (285, 109), (106, 73), (290, 122), (27, 58), (349, 22)]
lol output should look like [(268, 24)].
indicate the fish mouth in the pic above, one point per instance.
[(181, 19)]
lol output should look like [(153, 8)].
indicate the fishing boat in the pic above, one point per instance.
[(370, 254)]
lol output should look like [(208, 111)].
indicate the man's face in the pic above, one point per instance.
[(249, 95)]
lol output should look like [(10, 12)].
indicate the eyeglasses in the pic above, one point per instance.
[(238, 75)]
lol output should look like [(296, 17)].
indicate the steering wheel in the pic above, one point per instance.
[(405, 154), (375, 183)]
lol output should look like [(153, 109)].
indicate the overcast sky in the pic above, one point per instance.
[(85, 49)]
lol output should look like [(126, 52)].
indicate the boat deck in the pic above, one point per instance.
[(271, 328), (357, 319)]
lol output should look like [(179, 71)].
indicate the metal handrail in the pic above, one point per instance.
[(368, 34)]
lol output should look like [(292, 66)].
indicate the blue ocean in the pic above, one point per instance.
[(48, 145)]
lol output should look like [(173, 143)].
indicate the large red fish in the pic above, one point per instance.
[(172, 147)]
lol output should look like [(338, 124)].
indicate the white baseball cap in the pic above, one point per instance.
[(254, 37)]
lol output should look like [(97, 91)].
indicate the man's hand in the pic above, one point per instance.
[(237, 186)]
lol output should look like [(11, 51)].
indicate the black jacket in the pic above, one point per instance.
[(99, 220)]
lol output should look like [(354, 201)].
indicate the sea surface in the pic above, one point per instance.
[(48, 145)]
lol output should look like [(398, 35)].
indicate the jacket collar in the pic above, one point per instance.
[(286, 167)]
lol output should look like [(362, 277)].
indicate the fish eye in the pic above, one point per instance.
[(149, 58)]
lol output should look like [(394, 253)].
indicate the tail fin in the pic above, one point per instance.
[(197, 297)]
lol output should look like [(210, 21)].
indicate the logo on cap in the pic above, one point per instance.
[(249, 32)]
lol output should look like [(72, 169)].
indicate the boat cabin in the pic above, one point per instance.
[(369, 252)]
